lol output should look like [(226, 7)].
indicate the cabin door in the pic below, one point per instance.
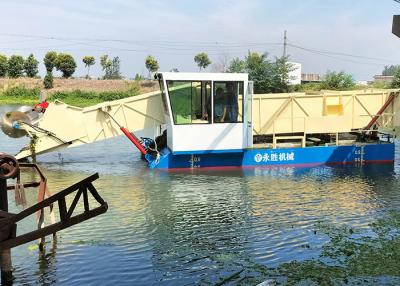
[(248, 126)]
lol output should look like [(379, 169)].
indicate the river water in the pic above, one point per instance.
[(237, 227)]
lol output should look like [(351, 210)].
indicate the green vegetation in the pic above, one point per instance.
[(338, 81), (110, 67), (48, 80), (3, 66), (19, 95), (396, 79), (202, 60), (237, 66), (151, 65), (50, 60), (66, 64), (88, 98), (88, 61), (15, 66), (349, 257), (390, 70), (268, 77), (30, 96), (31, 66)]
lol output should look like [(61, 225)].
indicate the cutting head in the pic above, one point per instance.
[(9, 120)]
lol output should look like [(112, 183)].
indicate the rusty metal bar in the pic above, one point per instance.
[(74, 203), (95, 194), (66, 217), (85, 200), (53, 228), (55, 198)]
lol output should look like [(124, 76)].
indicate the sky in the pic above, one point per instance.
[(350, 35)]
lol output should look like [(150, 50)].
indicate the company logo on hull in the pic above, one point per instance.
[(274, 157)]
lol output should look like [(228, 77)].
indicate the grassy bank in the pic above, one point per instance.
[(19, 95), (29, 95), (88, 98), (26, 96)]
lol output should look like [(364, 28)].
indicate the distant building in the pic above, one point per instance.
[(383, 78), (295, 74), (310, 77)]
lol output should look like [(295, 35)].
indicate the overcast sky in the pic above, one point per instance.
[(174, 31)]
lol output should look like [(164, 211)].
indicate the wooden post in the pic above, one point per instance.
[(6, 265)]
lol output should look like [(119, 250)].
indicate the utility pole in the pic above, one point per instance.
[(285, 44)]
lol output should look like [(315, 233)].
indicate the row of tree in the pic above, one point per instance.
[(267, 75), (17, 66)]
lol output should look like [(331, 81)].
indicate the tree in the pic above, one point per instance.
[(31, 66), (202, 60), (110, 67), (15, 66), (48, 80), (267, 76), (151, 65), (115, 68), (66, 64), (237, 66), (3, 66), (337, 81), (88, 61), (50, 60), (396, 79), (390, 70)]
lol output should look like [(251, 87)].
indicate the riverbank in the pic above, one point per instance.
[(77, 92)]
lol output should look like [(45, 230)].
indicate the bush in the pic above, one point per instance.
[(86, 98), (338, 81), (3, 66), (48, 80), (134, 87), (311, 86), (15, 66), (66, 64), (31, 66), (21, 91), (381, 84)]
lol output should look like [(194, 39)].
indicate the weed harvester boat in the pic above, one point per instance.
[(215, 120)]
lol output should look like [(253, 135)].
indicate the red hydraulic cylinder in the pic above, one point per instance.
[(134, 140)]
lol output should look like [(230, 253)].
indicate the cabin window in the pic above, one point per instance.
[(190, 101), (228, 102)]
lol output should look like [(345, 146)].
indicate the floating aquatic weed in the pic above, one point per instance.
[(351, 256)]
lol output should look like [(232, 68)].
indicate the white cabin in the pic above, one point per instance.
[(207, 112)]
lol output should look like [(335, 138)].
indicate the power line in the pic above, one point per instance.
[(180, 47), (335, 55)]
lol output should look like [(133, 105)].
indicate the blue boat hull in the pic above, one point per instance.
[(309, 156)]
